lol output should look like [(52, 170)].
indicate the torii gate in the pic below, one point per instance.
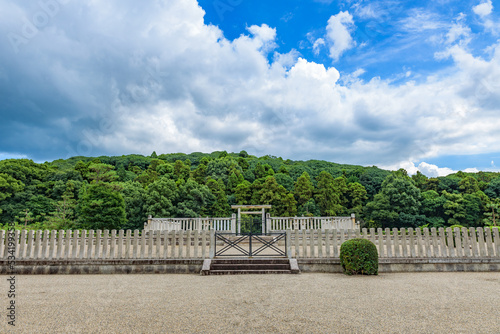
[(250, 207)]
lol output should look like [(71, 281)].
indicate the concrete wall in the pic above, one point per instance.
[(407, 265), (194, 266), (140, 266)]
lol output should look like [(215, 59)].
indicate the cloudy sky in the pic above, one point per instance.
[(413, 84)]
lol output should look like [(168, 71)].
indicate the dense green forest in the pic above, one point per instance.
[(120, 192)]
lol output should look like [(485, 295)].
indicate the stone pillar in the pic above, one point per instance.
[(239, 221), (211, 253), (353, 219), (268, 222), (288, 244), (233, 223), (263, 221)]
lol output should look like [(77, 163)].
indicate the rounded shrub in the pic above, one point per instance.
[(359, 257)]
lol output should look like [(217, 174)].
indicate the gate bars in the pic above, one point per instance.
[(258, 245)]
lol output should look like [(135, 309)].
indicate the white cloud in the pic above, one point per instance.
[(425, 168), (317, 45), (419, 20), (338, 34), (483, 9), (371, 10), (457, 32), (174, 83), (431, 170)]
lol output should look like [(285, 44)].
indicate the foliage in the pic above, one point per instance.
[(304, 189), (359, 256), (397, 204), (59, 194), (100, 207)]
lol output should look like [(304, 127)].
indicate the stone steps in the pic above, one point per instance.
[(249, 266)]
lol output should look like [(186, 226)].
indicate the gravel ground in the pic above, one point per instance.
[(305, 303)]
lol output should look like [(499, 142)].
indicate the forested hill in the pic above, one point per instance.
[(120, 192)]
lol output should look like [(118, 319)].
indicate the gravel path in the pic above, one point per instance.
[(305, 303)]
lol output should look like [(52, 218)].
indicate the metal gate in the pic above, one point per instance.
[(252, 241), (232, 244)]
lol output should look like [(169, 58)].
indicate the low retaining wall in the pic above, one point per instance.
[(194, 266), (137, 266), (407, 265)]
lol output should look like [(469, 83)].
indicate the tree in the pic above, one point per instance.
[(455, 209), (259, 171), (284, 170), (243, 193), (101, 173), (397, 204), (328, 196), (284, 180), (433, 208), (372, 179), (200, 173), (25, 217), (303, 189), (222, 168), (9, 186), (220, 207), (243, 163), (160, 198), (147, 177), (448, 183), (134, 196), (420, 180), (234, 179), (193, 199), (493, 188), (64, 217), (101, 207), (492, 215), (181, 170), (468, 185), (309, 209), (356, 196), (283, 203)]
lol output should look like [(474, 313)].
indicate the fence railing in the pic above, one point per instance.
[(390, 243), (105, 244), (400, 243), (191, 224), (310, 223), (273, 224)]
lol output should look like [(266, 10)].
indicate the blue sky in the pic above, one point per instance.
[(411, 84)]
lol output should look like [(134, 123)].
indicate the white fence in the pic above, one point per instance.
[(47, 245), (273, 224), (395, 243), (400, 243), (276, 224), (191, 224)]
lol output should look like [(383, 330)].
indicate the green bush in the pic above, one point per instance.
[(359, 256)]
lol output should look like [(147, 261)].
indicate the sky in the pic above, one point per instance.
[(396, 84)]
